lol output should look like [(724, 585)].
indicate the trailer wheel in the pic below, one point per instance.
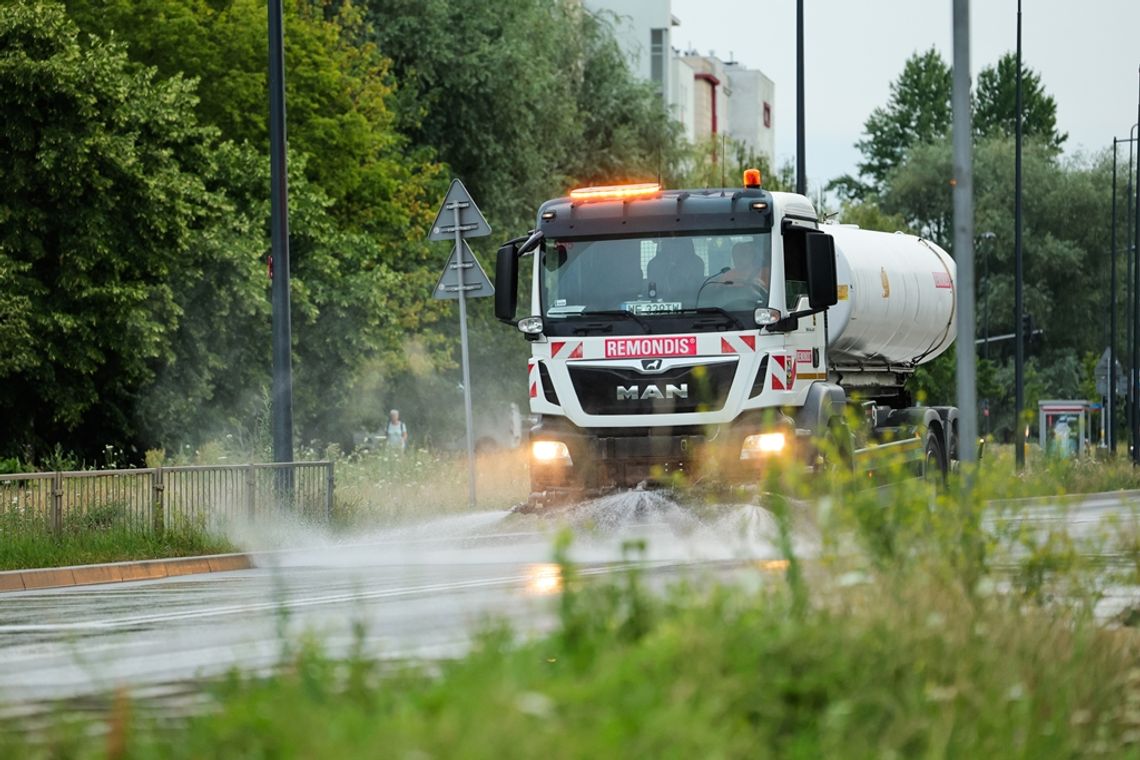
[(934, 459)]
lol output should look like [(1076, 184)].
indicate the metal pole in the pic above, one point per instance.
[(1110, 410), (1130, 386), (1018, 305), (1128, 410), (1136, 252), (801, 142), (964, 237), (462, 264), (279, 226)]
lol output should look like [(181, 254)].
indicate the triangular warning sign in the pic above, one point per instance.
[(475, 282), (471, 221)]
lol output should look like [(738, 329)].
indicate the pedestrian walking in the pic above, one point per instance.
[(397, 432)]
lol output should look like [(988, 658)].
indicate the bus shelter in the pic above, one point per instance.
[(1064, 427)]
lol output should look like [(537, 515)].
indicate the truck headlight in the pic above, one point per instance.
[(550, 452), (763, 445)]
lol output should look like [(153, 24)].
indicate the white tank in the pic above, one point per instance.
[(897, 298)]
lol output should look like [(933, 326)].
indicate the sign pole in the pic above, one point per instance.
[(461, 261), (462, 276)]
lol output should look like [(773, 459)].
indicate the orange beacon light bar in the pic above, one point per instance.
[(615, 192), (752, 178)]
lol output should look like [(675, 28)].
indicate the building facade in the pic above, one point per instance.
[(708, 96)]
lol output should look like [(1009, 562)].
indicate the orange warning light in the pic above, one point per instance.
[(752, 178), (615, 192)]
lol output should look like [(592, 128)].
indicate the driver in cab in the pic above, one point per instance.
[(745, 285)]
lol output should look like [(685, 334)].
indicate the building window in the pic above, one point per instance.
[(767, 116), (657, 56)]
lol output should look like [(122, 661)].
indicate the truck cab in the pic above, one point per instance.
[(672, 331)]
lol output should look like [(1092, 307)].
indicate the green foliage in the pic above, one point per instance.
[(1064, 259), (101, 194), (918, 112), (868, 215), (337, 91), (134, 305), (995, 104), (522, 98), (720, 161)]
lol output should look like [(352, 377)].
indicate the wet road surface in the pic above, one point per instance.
[(419, 591), (414, 592)]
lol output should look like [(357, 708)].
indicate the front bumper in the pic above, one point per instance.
[(606, 458)]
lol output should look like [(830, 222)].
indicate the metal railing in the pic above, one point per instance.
[(155, 499)]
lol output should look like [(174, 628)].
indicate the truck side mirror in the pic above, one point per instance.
[(822, 281), (507, 282)]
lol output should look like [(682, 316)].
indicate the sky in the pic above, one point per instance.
[(1087, 53)]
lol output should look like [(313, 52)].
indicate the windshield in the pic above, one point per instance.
[(658, 279)]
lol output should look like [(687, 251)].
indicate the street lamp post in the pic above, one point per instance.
[(1134, 320), (1018, 307), (801, 140), (1136, 252), (966, 370), (1111, 403), (1129, 301), (282, 409)]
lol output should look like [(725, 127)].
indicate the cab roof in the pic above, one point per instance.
[(667, 212)]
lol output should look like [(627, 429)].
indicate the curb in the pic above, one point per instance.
[(116, 572), (1068, 499)]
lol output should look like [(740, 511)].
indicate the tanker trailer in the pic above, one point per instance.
[(708, 331)]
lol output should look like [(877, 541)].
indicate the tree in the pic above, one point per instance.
[(995, 104), (1064, 257), (917, 112), (522, 98), (99, 199), (338, 92)]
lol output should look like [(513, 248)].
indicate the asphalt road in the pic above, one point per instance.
[(419, 591)]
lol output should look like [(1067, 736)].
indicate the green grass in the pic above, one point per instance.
[(886, 669), (386, 487), (23, 549)]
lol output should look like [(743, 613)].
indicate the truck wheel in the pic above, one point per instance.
[(934, 459)]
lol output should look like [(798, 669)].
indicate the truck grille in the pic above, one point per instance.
[(620, 390)]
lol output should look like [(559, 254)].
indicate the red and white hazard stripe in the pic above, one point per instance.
[(738, 344), (783, 371), (557, 347), (532, 376)]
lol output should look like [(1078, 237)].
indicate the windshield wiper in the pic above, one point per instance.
[(617, 313), (718, 311)]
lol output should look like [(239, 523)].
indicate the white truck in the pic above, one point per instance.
[(707, 331)]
